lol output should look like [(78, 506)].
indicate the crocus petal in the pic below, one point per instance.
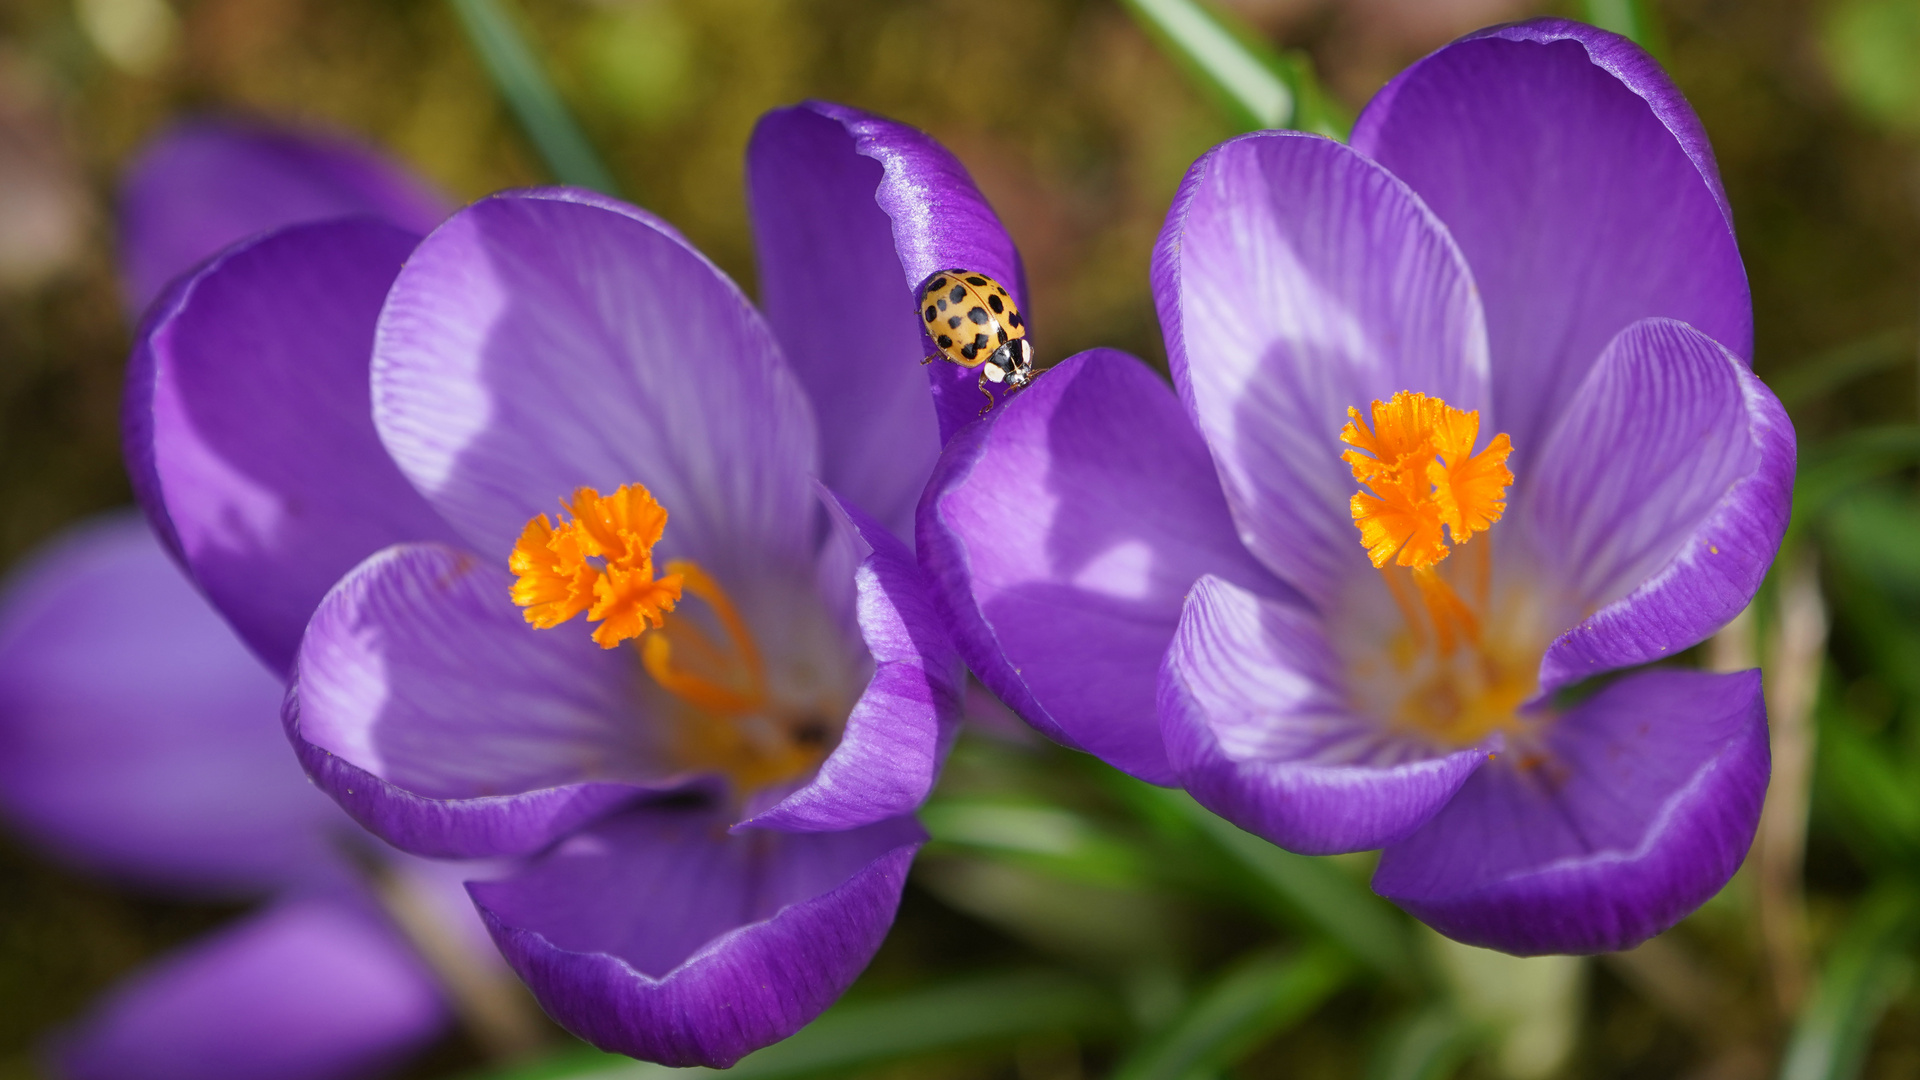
[(833, 290), (659, 935), (1579, 184), (901, 728), (544, 340), (1061, 537), (1256, 726), (1660, 498), (1638, 807), (939, 218), (207, 183), (249, 434), (1296, 279), (430, 710), (308, 990), (137, 734)]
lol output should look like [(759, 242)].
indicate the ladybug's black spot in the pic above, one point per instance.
[(954, 322), (994, 303), (969, 351), (978, 315), (938, 284), (1013, 320), (958, 294), (1003, 335), (945, 341), (977, 282), (979, 341), (943, 303), (930, 312), (810, 732)]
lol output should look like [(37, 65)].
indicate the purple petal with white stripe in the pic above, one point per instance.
[(658, 934), (1580, 186), (1296, 279), (249, 434), (1061, 536), (1638, 806), (1254, 711), (1659, 500)]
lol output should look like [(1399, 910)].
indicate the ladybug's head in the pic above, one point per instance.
[(1013, 363)]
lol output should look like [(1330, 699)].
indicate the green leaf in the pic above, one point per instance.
[(1261, 997), (524, 85), (1629, 19), (1303, 887), (1839, 465), (1863, 972), (1258, 87), (852, 1035)]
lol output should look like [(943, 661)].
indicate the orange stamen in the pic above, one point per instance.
[(600, 562), (1417, 463), (709, 692)]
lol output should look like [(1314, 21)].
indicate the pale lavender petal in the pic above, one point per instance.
[(137, 735), (308, 990), (1637, 806), (835, 293), (658, 934), (1295, 279), (207, 183), (249, 433), (1253, 709), (1061, 537), (548, 339), (940, 222), (430, 710), (899, 732), (1659, 500), (1580, 185)]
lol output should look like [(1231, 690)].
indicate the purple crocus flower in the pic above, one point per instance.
[(713, 824), (1526, 248), (139, 737)]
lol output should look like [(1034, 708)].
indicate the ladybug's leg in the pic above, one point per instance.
[(929, 359), (983, 389)]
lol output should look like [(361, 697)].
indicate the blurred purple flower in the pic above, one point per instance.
[(137, 735), (1528, 224), (137, 741), (713, 845), (209, 182)]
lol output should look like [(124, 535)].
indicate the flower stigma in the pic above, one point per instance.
[(1455, 674), (722, 713)]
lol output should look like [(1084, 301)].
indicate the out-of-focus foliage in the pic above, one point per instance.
[(1066, 922)]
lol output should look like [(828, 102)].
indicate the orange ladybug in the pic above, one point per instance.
[(974, 322)]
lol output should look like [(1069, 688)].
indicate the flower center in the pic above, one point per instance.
[(722, 714), (1452, 676)]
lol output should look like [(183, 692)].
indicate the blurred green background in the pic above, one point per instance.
[(1175, 949)]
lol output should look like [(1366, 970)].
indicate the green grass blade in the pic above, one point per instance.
[(1428, 1045), (851, 1035), (1312, 889), (1629, 19), (1255, 1001), (1863, 972), (524, 85), (1258, 87)]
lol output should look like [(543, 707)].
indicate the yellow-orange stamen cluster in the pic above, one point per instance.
[(1417, 463), (599, 562)]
